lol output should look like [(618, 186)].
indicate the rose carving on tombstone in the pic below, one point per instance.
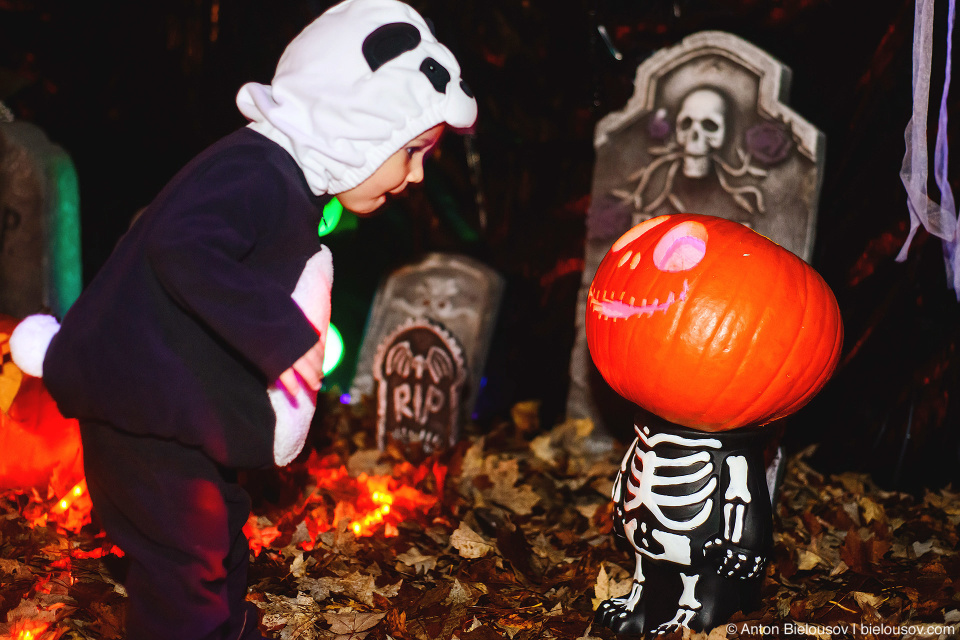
[(768, 143)]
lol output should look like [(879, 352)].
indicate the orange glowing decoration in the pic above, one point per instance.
[(710, 325), (39, 448)]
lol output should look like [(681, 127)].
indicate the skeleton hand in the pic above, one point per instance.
[(734, 561)]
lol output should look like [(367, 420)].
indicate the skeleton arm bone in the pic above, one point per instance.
[(736, 548), (736, 498), (617, 493)]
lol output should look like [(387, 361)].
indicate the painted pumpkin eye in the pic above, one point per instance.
[(638, 231), (681, 248)]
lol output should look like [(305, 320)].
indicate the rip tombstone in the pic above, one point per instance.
[(425, 348), (707, 131), (419, 371)]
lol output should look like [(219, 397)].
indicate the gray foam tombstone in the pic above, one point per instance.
[(40, 265), (457, 293), (708, 131)]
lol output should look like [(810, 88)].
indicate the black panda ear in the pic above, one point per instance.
[(436, 73), (430, 26), (388, 41)]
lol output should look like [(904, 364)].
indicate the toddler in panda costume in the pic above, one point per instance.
[(197, 350)]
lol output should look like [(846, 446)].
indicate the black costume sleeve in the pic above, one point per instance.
[(198, 257)]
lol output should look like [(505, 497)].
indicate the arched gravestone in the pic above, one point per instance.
[(452, 301), (707, 130), (40, 265), (420, 372)]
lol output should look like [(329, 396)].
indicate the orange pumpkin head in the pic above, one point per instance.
[(710, 325)]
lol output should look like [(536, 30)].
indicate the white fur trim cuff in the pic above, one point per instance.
[(30, 340), (294, 415)]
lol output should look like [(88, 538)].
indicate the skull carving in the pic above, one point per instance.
[(701, 129)]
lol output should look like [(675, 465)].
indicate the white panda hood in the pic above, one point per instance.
[(353, 87)]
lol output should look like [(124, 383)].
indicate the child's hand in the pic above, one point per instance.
[(309, 370)]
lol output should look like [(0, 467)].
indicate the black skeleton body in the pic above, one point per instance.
[(695, 509)]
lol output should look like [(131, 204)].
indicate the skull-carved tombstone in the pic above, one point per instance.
[(706, 131), (701, 130), (39, 223), (453, 296)]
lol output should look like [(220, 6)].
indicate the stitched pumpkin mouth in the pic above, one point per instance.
[(617, 309)]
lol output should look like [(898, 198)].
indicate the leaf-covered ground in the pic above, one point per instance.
[(506, 536)]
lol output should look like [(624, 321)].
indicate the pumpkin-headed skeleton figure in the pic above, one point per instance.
[(713, 330)]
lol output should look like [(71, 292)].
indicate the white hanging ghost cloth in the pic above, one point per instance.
[(938, 219)]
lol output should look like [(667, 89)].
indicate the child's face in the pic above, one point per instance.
[(400, 169)]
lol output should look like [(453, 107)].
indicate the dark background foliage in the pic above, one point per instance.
[(132, 90)]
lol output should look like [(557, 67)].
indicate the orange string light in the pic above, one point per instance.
[(31, 631), (72, 510), (382, 498), (72, 496)]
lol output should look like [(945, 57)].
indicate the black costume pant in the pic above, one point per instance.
[(178, 516)]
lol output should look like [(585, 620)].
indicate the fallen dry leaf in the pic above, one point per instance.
[(871, 510), (868, 599), (420, 562), (526, 416), (10, 379), (464, 595), (469, 543), (808, 560), (359, 586), (607, 588), (352, 623), (520, 500)]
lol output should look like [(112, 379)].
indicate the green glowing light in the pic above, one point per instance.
[(66, 278), (333, 350), (331, 217)]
